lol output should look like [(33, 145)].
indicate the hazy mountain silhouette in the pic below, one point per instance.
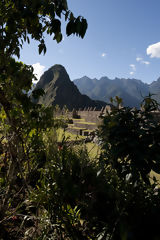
[(131, 91), (154, 88)]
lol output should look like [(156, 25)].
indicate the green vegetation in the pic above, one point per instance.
[(61, 134), (89, 123), (93, 150), (131, 140), (79, 119), (77, 128), (24, 125), (51, 188)]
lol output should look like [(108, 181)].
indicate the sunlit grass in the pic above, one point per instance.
[(88, 123), (62, 134), (93, 150), (78, 119)]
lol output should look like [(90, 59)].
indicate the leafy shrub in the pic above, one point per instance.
[(73, 192), (130, 140)]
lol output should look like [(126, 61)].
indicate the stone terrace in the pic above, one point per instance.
[(84, 121)]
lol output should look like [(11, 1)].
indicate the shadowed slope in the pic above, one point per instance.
[(60, 90)]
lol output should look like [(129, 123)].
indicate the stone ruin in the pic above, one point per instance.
[(85, 121)]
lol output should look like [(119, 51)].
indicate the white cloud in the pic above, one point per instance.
[(154, 50), (145, 62), (103, 55), (133, 67), (38, 69), (139, 59), (131, 73)]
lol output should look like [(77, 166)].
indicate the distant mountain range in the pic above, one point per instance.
[(87, 92), (60, 90), (131, 91)]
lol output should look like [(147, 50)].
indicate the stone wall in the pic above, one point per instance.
[(87, 120), (89, 115)]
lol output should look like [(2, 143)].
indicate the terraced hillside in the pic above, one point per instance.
[(81, 127)]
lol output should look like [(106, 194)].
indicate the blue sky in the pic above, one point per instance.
[(122, 40)]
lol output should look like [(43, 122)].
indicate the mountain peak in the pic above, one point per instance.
[(57, 67), (60, 90), (84, 78), (53, 74)]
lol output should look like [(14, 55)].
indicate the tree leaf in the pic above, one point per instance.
[(70, 28), (58, 37)]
